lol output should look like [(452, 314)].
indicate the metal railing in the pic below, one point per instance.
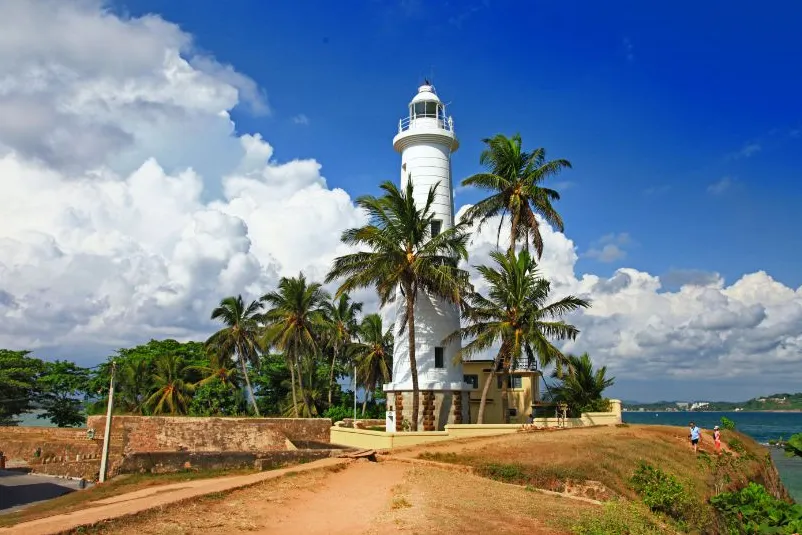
[(426, 121)]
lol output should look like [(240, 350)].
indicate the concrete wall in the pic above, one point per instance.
[(360, 438)]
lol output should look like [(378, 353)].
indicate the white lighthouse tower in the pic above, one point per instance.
[(426, 141)]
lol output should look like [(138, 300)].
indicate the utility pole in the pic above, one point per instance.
[(104, 458)]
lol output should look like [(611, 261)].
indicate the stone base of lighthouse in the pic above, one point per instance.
[(437, 408)]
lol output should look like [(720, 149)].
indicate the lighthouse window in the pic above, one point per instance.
[(425, 109), (439, 353), (437, 227)]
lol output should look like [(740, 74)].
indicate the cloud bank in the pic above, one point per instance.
[(130, 207)]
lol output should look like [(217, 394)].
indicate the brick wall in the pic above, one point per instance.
[(19, 443), (135, 434)]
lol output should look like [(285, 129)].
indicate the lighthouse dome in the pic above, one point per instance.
[(425, 94)]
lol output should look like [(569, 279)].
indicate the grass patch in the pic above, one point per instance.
[(400, 502), (618, 518), (118, 485), (443, 457)]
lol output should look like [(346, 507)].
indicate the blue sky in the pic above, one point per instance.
[(682, 121)]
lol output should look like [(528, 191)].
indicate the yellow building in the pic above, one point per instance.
[(521, 395)]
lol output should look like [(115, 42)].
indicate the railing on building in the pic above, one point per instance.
[(426, 121)]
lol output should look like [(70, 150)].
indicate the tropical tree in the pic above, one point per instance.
[(373, 355), (62, 384), (217, 368), (133, 384), (515, 314), (239, 337), (581, 387), (514, 179), (293, 324), (341, 325), (173, 392), (401, 253), (18, 373)]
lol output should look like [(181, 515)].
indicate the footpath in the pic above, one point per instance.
[(142, 500)]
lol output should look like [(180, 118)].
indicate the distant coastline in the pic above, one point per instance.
[(627, 409)]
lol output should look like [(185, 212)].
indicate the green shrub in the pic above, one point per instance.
[(338, 413), (509, 473), (794, 445), (728, 424), (754, 510), (618, 518), (660, 491)]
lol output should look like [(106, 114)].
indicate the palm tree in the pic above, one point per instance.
[(341, 319), (514, 180), (239, 336), (373, 354), (219, 368), (516, 314), (402, 254), (172, 391), (581, 388), (293, 324), (134, 384)]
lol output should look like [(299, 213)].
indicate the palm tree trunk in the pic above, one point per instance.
[(291, 364), (483, 402), (505, 400), (248, 384), (301, 387), (513, 235), (413, 364), (331, 373)]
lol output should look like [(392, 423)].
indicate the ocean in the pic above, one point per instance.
[(761, 426)]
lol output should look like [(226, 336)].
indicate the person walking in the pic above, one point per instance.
[(717, 439), (695, 435)]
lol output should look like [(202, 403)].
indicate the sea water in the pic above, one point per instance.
[(761, 426)]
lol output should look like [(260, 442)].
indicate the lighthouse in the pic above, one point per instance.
[(426, 141)]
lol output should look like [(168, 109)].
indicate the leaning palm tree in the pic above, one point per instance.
[(581, 388), (515, 314), (172, 392), (402, 254), (239, 336), (341, 326), (293, 324), (373, 355), (514, 180)]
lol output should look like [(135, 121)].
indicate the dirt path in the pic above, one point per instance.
[(347, 502), (142, 500)]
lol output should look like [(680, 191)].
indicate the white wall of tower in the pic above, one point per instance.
[(426, 146)]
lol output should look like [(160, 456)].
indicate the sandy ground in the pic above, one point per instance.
[(367, 498), (136, 502), (337, 496)]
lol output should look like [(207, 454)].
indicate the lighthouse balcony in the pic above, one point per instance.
[(426, 122)]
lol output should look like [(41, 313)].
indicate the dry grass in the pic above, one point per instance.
[(596, 463), (439, 501), (119, 485)]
